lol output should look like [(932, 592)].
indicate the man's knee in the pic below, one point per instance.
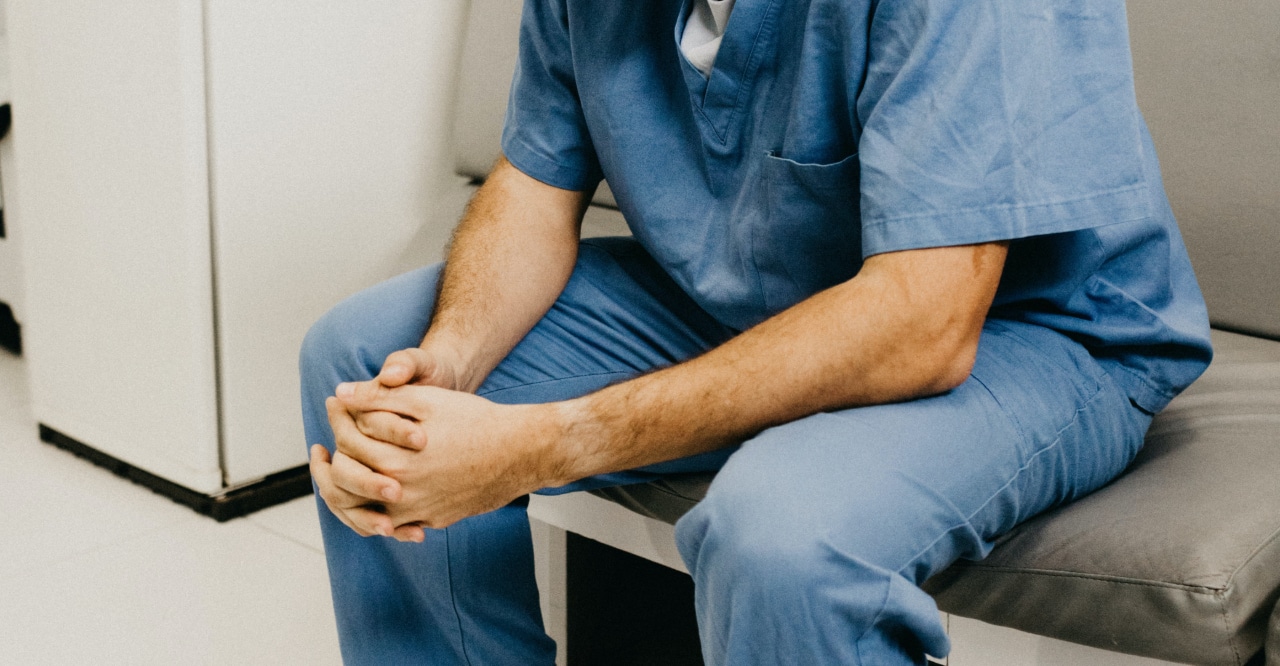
[(332, 348), (779, 511), (352, 339), (748, 529)]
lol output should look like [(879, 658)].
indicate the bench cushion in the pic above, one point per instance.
[(1178, 559)]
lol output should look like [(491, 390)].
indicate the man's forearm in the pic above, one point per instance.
[(509, 259), (907, 327)]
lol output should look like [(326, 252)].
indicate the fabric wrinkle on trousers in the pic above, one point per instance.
[(814, 536)]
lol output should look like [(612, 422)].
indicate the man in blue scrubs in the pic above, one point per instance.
[(902, 270)]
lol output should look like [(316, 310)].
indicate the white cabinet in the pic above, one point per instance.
[(198, 182), (10, 275)]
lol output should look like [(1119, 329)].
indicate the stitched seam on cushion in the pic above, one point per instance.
[(1226, 626), (549, 381), (968, 520), (1256, 551), (1010, 207), (1226, 613), (1102, 578)]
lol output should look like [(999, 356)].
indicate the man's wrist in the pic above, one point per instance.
[(575, 438), (566, 430), (453, 355)]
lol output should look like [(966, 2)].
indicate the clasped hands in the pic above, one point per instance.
[(412, 451)]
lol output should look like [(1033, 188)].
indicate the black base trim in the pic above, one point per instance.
[(242, 501), (10, 331)]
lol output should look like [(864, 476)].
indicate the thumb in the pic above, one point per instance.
[(403, 367)]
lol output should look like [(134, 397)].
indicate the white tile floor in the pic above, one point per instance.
[(96, 570)]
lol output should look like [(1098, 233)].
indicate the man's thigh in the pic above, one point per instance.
[(619, 316), (913, 486)]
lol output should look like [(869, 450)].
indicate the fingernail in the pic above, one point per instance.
[(344, 390), (384, 531), (389, 493), (417, 439)]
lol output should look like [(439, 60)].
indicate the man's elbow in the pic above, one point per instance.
[(949, 369), (959, 368)]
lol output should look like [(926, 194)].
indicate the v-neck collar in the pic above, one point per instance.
[(719, 96)]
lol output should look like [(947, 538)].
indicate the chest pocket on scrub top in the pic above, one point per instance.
[(808, 234)]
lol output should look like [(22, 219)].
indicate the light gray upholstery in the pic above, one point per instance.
[(1208, 78), (1179, 558), (1273, 638), (488, 60)]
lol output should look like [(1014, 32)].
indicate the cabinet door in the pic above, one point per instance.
[(111, 188), (10, 275), (329, 125)]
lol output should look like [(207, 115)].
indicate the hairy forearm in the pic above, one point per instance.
[(509, 259), (878, 338)]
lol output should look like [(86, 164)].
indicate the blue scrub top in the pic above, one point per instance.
[(832, 130)]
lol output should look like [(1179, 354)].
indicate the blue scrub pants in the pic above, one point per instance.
[(812, 541)]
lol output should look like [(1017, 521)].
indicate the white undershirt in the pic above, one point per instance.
[(703, 31)]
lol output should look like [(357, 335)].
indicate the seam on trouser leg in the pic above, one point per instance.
[(968, 520), (884, 604), (492, 392), (1226, 621), (453, 596)]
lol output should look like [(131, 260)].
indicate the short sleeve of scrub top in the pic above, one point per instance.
[(545, 133), (828, 131), (997, 120)]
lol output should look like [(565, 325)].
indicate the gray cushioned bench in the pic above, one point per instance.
[(1179, 558)]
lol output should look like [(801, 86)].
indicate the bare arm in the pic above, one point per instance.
[(510, 257), (907, 326)]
